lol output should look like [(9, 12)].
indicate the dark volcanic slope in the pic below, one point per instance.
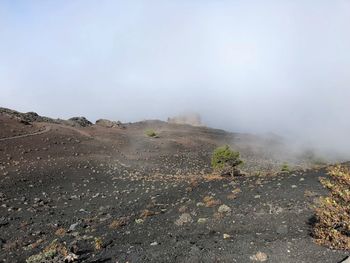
[(115, 195)]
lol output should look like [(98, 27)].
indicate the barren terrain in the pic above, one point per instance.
[(112, 194)]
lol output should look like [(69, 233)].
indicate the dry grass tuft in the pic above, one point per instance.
[(147, 213), (332, 226), (117, 223), (98, 242), (234, 194), (210, 201), (57, 248), (60, 232)]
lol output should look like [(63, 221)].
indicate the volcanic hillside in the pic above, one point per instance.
[(106, 192)]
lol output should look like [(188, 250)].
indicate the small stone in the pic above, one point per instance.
[(223, 209), (227, 236), (185, 218), (73, 226), (71, 257), (202, 220), (139, 221), (260, 257)]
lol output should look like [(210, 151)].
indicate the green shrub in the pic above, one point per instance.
[(151, 133), (224, 158), (285, 168)]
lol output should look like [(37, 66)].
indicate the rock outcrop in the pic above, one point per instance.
[(79, 121), (108, 123)]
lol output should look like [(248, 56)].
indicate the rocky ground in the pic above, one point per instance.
[(108, 193)]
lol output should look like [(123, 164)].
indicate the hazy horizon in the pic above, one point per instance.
[(247, 66)]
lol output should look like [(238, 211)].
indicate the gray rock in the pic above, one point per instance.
[(223, 209), (108, 123), (202, 220), (73, 226), (80, 121), (260, 257), (185, 218)]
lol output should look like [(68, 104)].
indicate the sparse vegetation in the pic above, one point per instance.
[(60, 232), (225, 160), (151, 133), (285, 168), (332, 226), (120, 222), (210, 201), (98, 243), (53, 250)]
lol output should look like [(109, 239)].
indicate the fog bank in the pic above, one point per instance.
[(246, 66)]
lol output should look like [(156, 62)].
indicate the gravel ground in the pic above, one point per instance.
[(101, 194)]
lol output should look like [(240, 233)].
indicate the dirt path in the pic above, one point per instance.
[(47, 128), (83, 133)]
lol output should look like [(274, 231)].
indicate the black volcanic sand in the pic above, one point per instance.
[(76, 185)]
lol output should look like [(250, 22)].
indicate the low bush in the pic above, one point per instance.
[(332, 227), (151, 133), (285, 168), (225, 160)]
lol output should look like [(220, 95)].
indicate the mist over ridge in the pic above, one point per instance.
[(252, 67)]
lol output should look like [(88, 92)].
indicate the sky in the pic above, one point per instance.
[(248, 66)]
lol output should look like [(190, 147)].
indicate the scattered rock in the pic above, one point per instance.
[(71, 257), (185, 218), (260, 257), (226, 236), (73, 226), (79, 122), (202, 220), (224, 209), (139, 221), (108, 123)]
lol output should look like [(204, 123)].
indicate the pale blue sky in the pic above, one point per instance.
[(256, 66)]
